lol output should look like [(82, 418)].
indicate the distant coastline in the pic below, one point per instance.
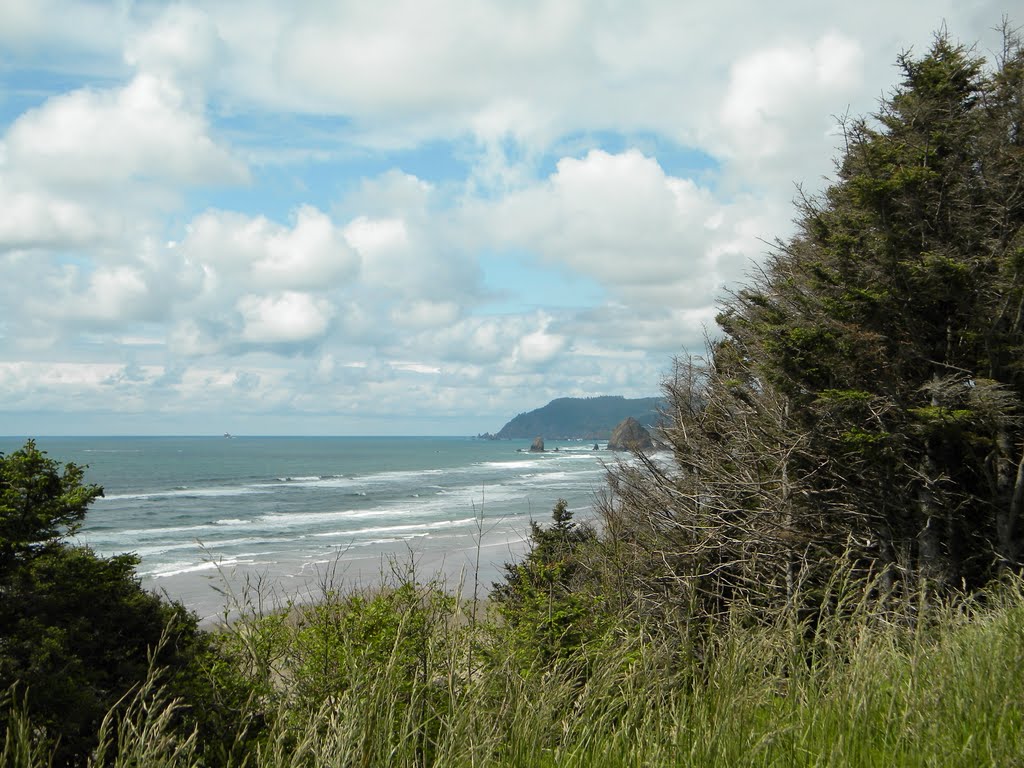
[(580, 418)]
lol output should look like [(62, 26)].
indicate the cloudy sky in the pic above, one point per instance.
[(400, 217)]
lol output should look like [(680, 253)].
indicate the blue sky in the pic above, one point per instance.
[(400, 217)]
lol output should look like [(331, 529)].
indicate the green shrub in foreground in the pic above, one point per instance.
[(79, 631), (865, 688)]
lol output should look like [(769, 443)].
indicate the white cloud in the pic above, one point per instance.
[(117, 294), (767, 89), (407, 72), (239, 250), (188, 338), (507, 342), (402, 258), (657, 331), (143, 131), (408, 58), (771, 117), (623, 221), (75, 386), (37, 219), (640, 151), (65, 25), (539, 347), (424, 314), (286, 318), (183, 42)]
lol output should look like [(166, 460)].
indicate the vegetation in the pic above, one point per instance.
[(430, 688), (865, 401), (827, 572), (79, 632), (545, 615)]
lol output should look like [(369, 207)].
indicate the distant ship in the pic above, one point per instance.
[(228, 435)]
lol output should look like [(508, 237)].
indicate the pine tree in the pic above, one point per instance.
[(865, 400), (541, 600)]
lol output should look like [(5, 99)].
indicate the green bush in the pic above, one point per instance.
[(80, 632), (545, 608)]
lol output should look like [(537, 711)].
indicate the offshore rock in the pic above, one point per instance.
[(538, 445), (629, 435)]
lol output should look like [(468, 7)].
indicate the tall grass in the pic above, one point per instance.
[(404, 677)]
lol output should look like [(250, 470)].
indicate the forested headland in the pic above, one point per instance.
[(827, 572), (585, 418)]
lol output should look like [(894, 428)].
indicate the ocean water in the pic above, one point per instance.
[(210, 515)]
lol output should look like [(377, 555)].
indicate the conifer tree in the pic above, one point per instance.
[(866, 396)]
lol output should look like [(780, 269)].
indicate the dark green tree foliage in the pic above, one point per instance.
[(865, 399), (40, 502), (542, 600), (77, 629)]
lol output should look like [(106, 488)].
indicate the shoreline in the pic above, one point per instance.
[(222, 593)]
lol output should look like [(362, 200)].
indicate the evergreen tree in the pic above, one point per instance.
[(548, 614), (78, 630), (866, 397)]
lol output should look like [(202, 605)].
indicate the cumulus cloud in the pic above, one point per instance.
[(441, 173), (258, 282), (183, 43), (523, 342), (400, 261), (424, 314), (771, 120), (663, 247), (538, 347), (767, 89), (33, 26), (406, 73), (95, 168), (35, 218), (285, 318), (103, 138), (117, 294), (239, 249), (619, 218)]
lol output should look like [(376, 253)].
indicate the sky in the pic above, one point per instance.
[(402, 218)]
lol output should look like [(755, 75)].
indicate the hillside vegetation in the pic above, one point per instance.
[(827, 572)]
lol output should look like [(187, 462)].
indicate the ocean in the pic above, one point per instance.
[(213, 518)]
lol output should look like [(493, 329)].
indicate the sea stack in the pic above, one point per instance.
[(538, 445), (629, 435)]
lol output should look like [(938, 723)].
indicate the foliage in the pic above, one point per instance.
[(863, 407), (79, 630), (342, 639), (40, 502), (864, 687), (548, 612), (392, 649)]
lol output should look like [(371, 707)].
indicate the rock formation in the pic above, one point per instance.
[(629, 435), (538, 445)]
